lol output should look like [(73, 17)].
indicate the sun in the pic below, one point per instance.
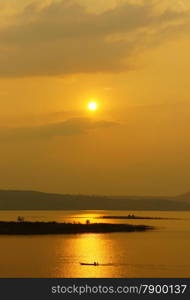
[(92, 106)]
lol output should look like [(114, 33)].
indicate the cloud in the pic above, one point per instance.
[(63, 37), (70, 127)]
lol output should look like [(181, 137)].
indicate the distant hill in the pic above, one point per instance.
[(183, 198), (31, 200)]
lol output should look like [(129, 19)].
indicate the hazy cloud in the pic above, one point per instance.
[(63, 38), (74, 126)]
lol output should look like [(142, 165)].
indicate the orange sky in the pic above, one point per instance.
[(132, 57)]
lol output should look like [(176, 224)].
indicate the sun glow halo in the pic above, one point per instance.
[(92, 106)]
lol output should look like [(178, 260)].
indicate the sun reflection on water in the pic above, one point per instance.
[(87, 248)]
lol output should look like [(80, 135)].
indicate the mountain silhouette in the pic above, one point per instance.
[(32, 200)]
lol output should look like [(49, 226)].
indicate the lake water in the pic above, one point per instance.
[(163, 252)]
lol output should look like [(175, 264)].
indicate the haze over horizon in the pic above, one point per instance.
[(129, 57), (99, 195)]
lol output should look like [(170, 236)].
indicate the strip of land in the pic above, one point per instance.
[(133, 217), (29, 228)]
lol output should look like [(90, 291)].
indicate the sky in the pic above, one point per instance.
[(132, 58)]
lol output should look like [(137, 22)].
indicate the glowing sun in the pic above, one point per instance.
[(92, 106)]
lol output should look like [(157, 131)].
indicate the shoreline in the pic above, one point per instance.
[(40, 228), (133, 217)]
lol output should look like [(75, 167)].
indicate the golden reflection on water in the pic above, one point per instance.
[(88, 248), (83, 217), (163, 252)]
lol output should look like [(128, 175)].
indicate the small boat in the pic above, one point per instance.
[(93, 264)]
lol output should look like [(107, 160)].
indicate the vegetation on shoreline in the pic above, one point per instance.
[(133, 217), (30, 228)]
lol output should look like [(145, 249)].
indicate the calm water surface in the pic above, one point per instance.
[(163, 252)]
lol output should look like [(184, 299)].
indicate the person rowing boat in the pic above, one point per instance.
[(93, 264)]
